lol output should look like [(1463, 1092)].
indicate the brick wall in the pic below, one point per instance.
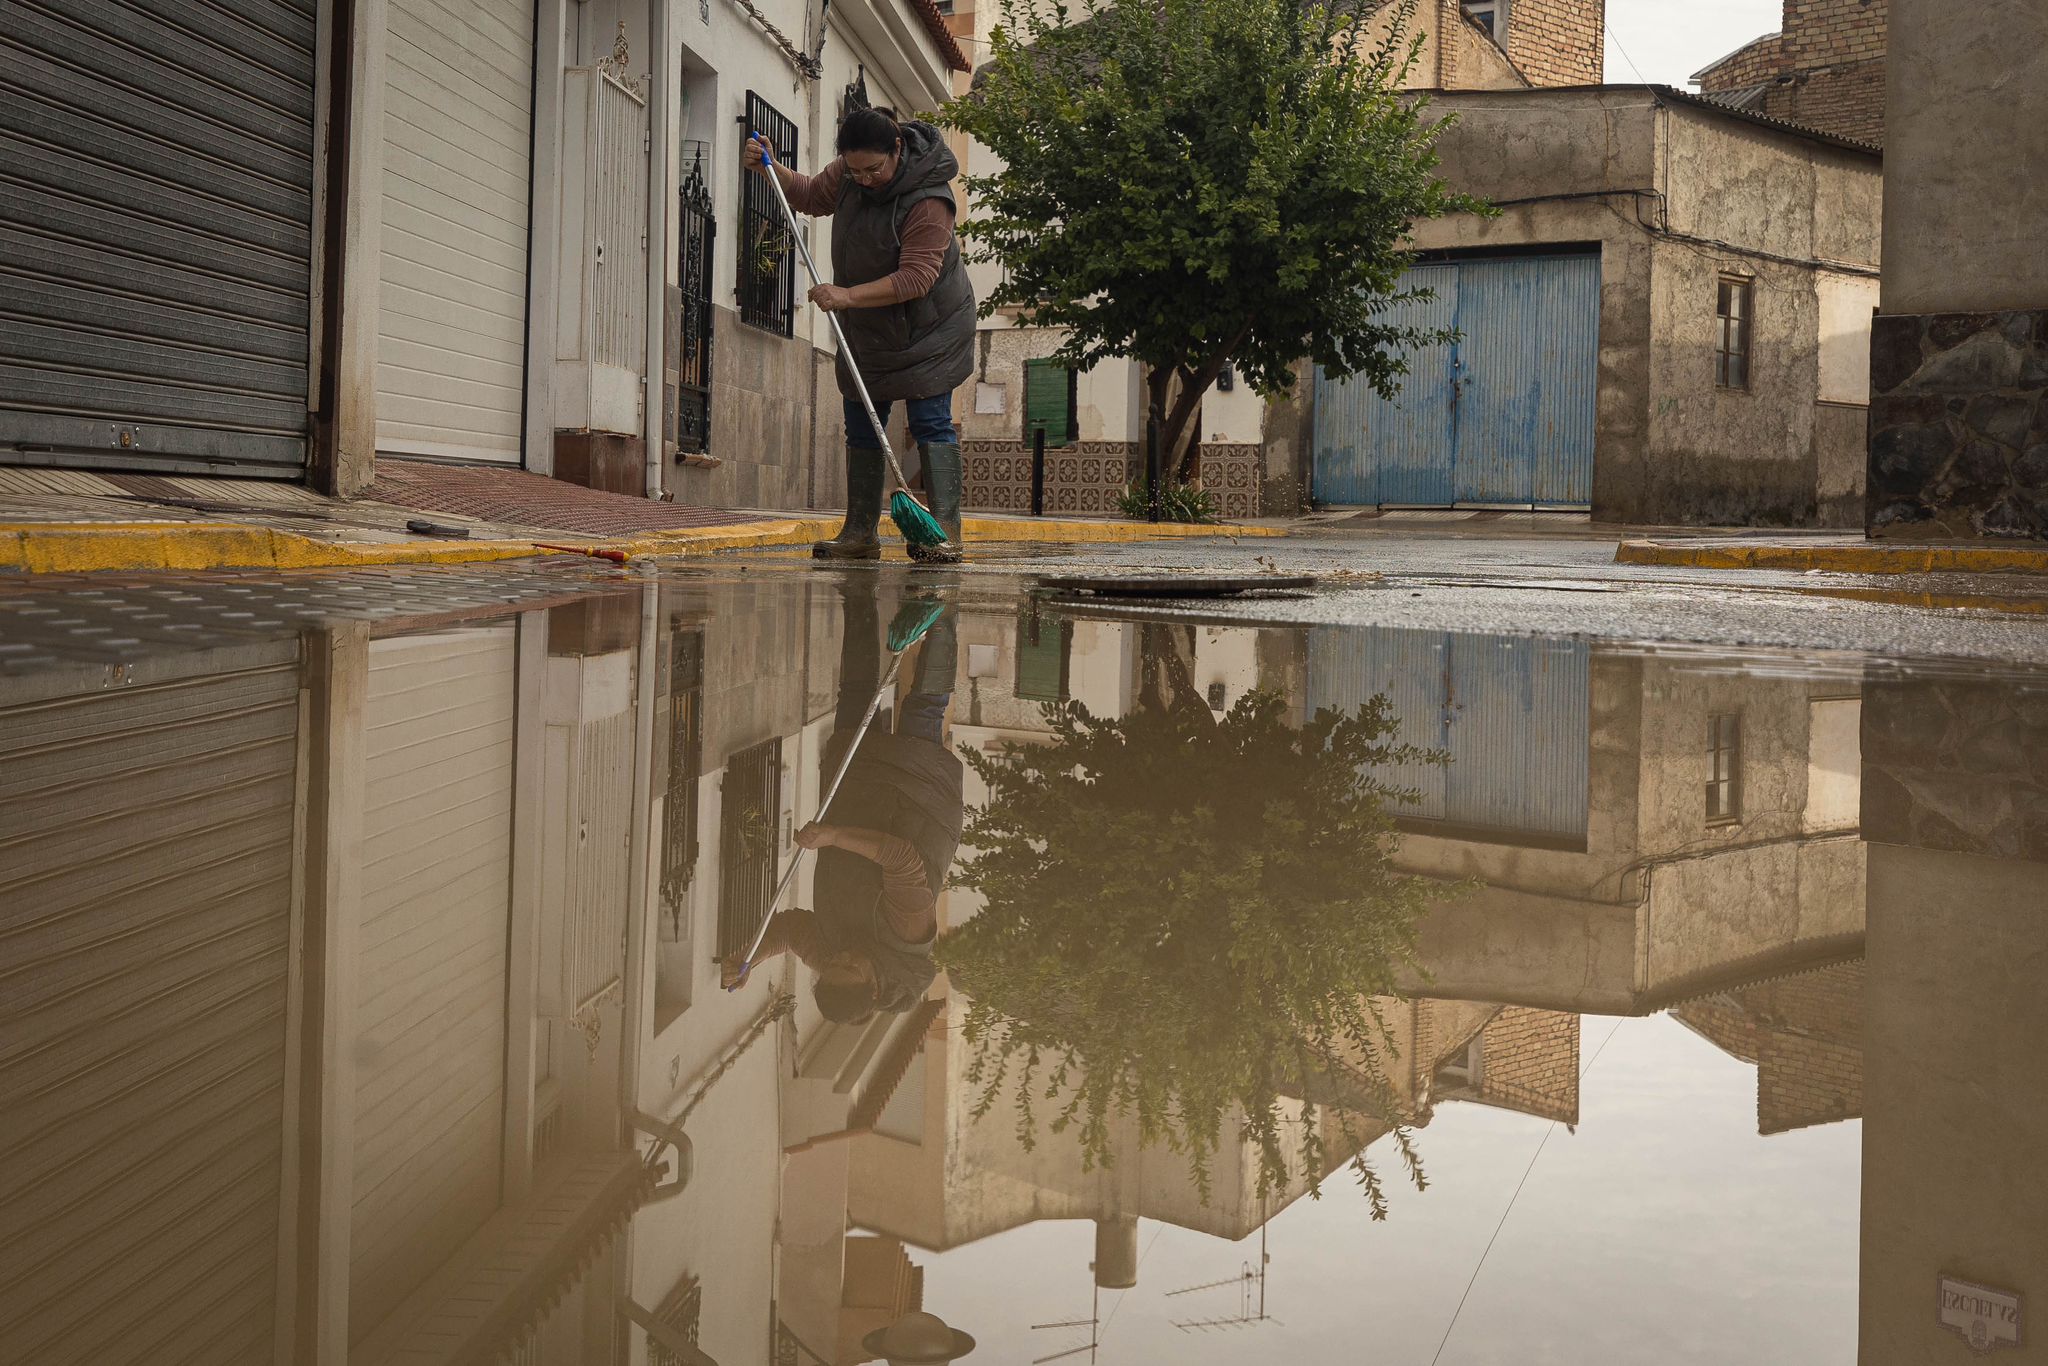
[(1529, 1061), (1761, 61), (1827, 67), (1559, 42), (1805, 1035)]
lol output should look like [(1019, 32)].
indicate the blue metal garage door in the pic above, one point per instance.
[(1512, 711), (1502, 417)]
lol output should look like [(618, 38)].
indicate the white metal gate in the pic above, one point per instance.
[(458, 127), (431, 986)]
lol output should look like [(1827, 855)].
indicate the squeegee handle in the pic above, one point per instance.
[(845, 351)]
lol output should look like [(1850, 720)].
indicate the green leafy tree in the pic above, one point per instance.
[(1202, 183), (1193, 922)]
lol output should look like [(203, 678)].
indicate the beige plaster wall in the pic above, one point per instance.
[(1966, 137)]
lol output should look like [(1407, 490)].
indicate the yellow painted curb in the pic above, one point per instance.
[(93, 547), (1870, 558)]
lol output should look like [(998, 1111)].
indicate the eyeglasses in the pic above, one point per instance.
[(868, 175)]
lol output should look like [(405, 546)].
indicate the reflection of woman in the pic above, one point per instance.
[(905, 303), (886, 845)]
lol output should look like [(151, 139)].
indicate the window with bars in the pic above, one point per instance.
[(1724, 769), (765, 280), (749, 843), (1731, 340), (692, 342), (685, 767), (1052, 394)]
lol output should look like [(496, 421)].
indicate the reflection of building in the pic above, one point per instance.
[(1644, 831), (1805, 1036), (326, 979), (1955, 1134)]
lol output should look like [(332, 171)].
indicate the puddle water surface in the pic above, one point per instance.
[(1157, 991)]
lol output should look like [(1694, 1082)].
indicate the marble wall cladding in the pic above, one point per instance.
[(1959, 426), (1088, 477), (1958, 765)]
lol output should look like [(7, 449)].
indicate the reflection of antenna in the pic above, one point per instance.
[(1251, 1296), (1093, 1323)]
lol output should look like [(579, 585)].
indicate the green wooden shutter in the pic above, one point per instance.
[(1043, 650), (1048, 405)]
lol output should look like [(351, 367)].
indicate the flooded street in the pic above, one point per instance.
[(1161, 986)]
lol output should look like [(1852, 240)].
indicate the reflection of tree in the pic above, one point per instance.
[(1187, 921)]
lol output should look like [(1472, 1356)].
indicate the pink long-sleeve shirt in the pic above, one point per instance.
[(927, 229)]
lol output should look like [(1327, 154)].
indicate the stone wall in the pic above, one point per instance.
[(1559, 42), (1959, 425), (762, 422)]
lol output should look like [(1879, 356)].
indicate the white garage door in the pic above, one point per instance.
[(458, 121), (430, 1007)]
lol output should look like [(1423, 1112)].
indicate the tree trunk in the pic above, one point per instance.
[(1175, 396)]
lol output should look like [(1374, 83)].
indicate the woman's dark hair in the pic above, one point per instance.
[(869, 130), (844, 1002)]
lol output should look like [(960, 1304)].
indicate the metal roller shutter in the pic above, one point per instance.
[(430, 1006), (156, 172), (458, 128), (146, 855)]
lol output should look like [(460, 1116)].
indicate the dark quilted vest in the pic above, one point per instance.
[(926, 346)]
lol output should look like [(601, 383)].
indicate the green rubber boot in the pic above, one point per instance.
[(857, 538), (942, 482)]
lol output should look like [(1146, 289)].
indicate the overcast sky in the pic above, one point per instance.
[(1668, 40)]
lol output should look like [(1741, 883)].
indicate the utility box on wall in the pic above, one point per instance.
[(601, 318)]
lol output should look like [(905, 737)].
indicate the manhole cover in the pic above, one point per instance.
[(1175, 585)]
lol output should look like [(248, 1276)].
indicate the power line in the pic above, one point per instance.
[(1511, 1202), (1615, 38)]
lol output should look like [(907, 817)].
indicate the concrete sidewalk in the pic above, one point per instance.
[(66, 521)]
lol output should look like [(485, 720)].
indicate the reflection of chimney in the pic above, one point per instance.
[(1116, 1252)]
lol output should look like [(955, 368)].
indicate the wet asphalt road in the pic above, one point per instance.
[(1567, 584)]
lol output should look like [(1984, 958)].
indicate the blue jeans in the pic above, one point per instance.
[(931, 422)]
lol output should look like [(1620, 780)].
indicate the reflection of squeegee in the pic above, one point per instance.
[(904, 632)]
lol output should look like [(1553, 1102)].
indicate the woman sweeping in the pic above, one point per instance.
[(905, 304)]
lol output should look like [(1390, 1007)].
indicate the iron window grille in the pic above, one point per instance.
[(685, 768), (693, 343), (1732, 312), (1724, 769), (765, 281), (749, 843)]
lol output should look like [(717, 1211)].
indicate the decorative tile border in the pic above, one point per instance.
[(1088, 477)]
